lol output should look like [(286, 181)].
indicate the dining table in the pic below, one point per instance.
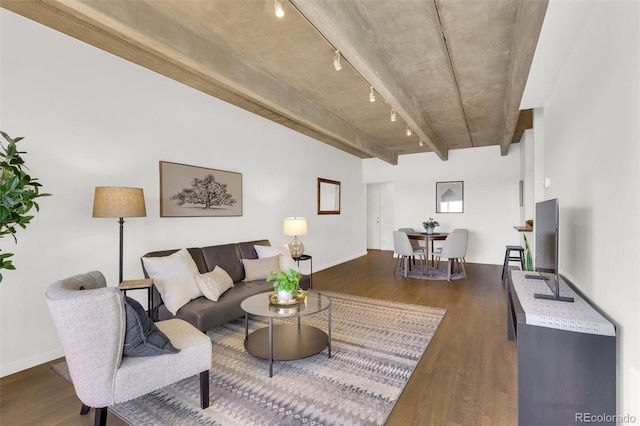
[(428, 238)]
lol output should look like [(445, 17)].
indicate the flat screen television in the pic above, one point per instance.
[(547, 236)]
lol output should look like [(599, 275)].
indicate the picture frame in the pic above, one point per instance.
[(194, 191), (329, 196), (450, 197)]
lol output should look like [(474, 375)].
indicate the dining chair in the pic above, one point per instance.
[(454, 248), (437, 250), (404, 250), (414, 243), (466, 242)]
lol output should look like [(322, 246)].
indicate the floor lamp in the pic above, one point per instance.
[(120, 202)]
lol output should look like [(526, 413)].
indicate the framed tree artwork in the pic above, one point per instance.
[(193, 191), (450, 197)]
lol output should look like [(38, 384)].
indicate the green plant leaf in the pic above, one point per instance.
[(528, 259), (18, 190), (285, 281)]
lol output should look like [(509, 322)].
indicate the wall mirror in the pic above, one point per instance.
[(328, 196)]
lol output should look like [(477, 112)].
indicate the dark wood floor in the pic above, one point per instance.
[(467, 376)]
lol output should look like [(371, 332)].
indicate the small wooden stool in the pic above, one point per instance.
[(508, 257)]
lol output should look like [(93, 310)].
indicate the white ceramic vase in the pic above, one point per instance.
[(430, 230), (285, 296)]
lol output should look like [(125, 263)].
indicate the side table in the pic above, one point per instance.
[(127, 285), (308, 257)]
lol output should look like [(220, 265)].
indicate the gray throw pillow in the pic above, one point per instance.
[(142, 337), (259, 269)]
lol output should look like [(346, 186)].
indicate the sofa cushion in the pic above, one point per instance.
[(247, 248), (204, 314), (284, 257), (214, 283), (142, 337), (226, 256), (175, 278), (259, 269)]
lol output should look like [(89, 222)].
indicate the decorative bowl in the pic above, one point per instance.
[(295, 300)]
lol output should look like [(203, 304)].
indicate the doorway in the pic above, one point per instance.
[(380, 216)]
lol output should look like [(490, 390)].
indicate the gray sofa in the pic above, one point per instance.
[(203, 313)]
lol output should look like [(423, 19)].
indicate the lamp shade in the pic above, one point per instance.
[(116, 201), (295, 226)]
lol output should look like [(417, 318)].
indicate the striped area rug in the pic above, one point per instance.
[(375, 347)]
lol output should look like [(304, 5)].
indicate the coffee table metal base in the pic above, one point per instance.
[(285, 342), (288, 342)]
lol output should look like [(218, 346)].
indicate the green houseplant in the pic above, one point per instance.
[(18, 192), (528, 259), (285, 283), (430, 224)]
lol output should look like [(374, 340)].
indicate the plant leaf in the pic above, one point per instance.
[(18, 191)]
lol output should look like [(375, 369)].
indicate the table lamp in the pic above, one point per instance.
[(295, 226), (120, 202)]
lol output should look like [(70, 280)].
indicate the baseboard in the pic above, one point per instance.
[(338, 262), (33, 361)]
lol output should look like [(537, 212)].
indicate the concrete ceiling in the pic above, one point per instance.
[(454, 70)]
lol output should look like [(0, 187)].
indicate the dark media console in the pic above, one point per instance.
[(537, 277), (556, 288), (566, 355)]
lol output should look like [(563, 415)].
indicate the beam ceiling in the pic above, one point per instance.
[(454, 70)]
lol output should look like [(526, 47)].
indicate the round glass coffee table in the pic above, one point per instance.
[(283, 342)]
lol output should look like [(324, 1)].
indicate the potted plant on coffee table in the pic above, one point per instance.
[(430, 224), (286, 283)]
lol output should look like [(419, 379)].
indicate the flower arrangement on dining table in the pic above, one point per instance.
[(430, 224)]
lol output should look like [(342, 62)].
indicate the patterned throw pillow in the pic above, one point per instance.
[(214, 283)]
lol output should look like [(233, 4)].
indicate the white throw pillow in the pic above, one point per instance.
[(259, 269), (285, 260), (175, 278), (214, 283)]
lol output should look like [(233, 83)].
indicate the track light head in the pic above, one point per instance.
[(279, 6), (393, 115), (372, 96), (408, 131), (336, 61)]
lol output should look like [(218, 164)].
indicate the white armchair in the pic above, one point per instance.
[(90, 320)]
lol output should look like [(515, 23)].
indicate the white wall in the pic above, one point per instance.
[(491, 202), (591, 155), (92, 119)]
